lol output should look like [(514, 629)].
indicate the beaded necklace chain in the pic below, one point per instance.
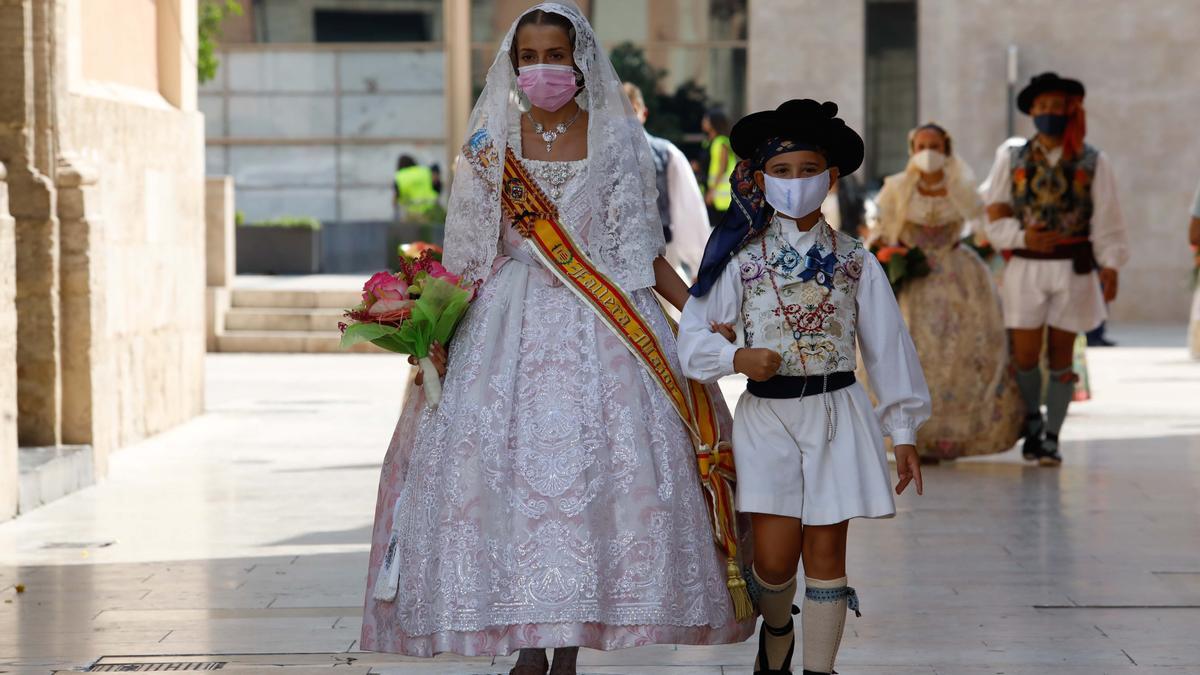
[(794, 324)]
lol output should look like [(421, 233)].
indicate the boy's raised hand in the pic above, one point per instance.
[(757, 364), (908, 468)]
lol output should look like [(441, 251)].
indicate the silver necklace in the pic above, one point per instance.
[(551, 135)]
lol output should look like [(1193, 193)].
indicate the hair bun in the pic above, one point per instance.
[(807, 108)]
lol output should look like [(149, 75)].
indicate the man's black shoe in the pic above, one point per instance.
[(1049, 455), (1031, 447)]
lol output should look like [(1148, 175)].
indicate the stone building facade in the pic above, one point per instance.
[(104, 152), (317, 99), (8, 356), (1139, 62)]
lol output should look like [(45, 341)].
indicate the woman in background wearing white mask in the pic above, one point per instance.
[(807, 442), (954, 313)]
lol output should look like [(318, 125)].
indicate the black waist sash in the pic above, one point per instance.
[(1078, 250), (796, 386)]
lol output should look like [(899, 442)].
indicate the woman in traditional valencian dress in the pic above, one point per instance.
[(953, 313), (552, 500)]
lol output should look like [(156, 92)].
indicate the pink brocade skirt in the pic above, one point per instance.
[(551, 499)]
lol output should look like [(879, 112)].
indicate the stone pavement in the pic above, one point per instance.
[(245, 533)]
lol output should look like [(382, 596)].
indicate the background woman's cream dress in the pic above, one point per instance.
[(552, 499), (955, 320)]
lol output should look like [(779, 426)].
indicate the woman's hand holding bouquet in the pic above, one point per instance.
[(414, 311)]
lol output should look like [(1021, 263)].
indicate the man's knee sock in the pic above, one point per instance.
[(1058, 398), (823, 618), (1029, 382), (775, 605)]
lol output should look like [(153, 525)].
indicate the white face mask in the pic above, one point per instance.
[(796, 197), (929, 161)]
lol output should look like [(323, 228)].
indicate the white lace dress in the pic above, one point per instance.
[(552, 499)]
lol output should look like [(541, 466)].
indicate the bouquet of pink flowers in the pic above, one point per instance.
[(408, 311)]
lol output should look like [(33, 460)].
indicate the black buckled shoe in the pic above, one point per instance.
[(1048, 454), (761, 663), (1031, 447)]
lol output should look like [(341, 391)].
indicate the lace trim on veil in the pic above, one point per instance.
[(621, 195)]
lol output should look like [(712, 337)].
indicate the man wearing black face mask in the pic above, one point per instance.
[(1052, 202)]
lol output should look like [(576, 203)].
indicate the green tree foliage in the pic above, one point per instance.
[(671, 115), (212, 13)]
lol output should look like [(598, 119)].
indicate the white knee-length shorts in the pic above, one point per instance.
[(787, 467), (1040, 293)]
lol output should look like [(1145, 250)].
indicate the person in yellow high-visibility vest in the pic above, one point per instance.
[(721, 162), (414, 189)]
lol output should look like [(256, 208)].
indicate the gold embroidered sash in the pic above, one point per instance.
[(536, 218)]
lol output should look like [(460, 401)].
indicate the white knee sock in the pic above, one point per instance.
[(775, 605), (823, 619)]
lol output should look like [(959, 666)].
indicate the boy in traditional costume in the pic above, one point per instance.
[(1052, 202), (810, 452)]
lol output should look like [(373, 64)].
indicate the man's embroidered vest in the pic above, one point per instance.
[(819, 289), (1059, 196)]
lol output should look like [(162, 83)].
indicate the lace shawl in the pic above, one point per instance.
[(899, 188)]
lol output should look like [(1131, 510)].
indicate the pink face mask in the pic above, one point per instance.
[(548, 87)]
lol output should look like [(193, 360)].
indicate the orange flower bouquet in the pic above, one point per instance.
[(902, 263)]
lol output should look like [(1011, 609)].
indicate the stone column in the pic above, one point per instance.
[(457, 39), (220, 252), (27, 146), (808, 49), (8, 358), (87, 402), (177, 43)]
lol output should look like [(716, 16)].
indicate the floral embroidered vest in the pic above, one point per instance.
[(1060, 196), (819, 290)]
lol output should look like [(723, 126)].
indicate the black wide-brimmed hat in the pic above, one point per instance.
[(1047, 83), (806, 122)]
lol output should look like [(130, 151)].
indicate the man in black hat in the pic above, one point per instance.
[(1052, 202), (807, 443)]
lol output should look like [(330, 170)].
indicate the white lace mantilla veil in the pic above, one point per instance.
[(625, 233)]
